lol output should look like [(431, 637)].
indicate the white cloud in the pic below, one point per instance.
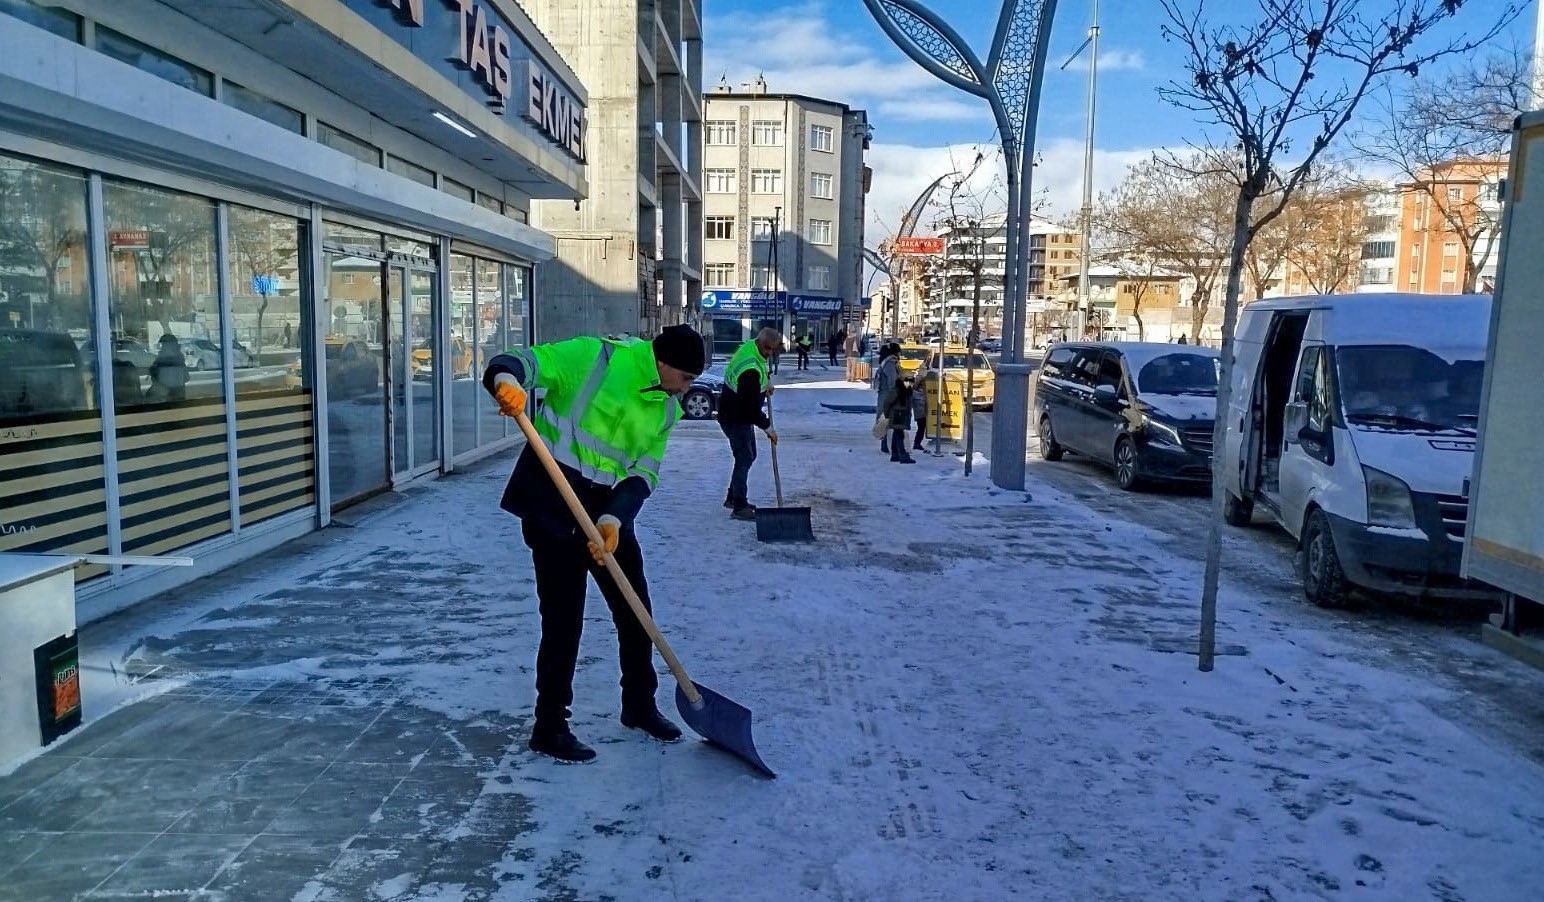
[(1110, 60)]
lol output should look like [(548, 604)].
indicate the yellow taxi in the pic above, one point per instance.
[(462, 364), (957, 360)]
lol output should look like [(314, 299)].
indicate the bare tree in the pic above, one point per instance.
[(1178, 213), (42, 224), (1452, 132), (1331, 217), (1287, 82)]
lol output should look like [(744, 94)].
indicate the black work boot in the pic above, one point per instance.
[(652, 722), (744, 512), (560, 744)]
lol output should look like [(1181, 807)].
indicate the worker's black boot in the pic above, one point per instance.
[(560, 744), (729, 502), (744, 512), (652, 722)]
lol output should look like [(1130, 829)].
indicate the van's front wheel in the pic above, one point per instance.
[(1324, 582), (1236, 511)]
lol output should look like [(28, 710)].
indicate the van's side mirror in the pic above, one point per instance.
[(1105, 393), (1295, 419)]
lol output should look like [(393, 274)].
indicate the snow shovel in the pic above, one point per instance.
[(720, 721), (782, 524)]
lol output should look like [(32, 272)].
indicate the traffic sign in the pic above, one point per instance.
[(919, 247)]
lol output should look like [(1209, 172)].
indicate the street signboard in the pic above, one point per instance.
[(732, 301), (128, 240), (919, 247), (811, 303)]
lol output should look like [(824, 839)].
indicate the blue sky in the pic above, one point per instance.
[(834, 49)]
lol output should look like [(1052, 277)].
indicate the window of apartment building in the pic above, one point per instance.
[(818, 278), (766, 133), (761, 278), (453, 187), (721, 181), (64, 24), (408, 170), (718, 275), (342, 141), (1455, 195), (1490, 192), (822, 138), (265, 108), (719, 228), (491, 203), (761, 228), (766, 181), (822, 184), (148, 59), (820, 231), (1375, 249), (722, 132), (1382, 222), (1450, 248)]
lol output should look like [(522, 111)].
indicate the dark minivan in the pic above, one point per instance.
[(1146, 409)]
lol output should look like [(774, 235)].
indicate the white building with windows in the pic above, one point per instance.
[(1375, 272), (783, 206)]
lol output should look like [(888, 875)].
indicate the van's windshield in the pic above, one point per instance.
[(1178, 374), (1411, 389)]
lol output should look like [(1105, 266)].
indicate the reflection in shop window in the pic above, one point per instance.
[(167, 391), (149, 59), (61, 22), (52, 487), (270, 320)]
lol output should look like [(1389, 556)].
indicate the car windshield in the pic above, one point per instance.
[(959, 362), (1178, 374), (1409, 388), (914, 353)]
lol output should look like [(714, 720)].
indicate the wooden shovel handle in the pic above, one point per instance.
[(612, 567), (777, 477)]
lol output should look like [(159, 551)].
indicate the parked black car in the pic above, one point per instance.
[(1145, 409), (701, 400)]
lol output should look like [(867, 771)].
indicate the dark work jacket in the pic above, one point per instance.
[(741, 405), (531, 495)]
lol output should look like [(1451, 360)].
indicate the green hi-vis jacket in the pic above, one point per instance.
[(601, 412)]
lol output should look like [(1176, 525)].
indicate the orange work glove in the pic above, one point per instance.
[(610, 529), (769, 389), (772, 436), (509, 396)]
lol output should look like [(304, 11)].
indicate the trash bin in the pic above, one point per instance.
[(39, 660)]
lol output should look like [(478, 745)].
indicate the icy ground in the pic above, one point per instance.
[(969, 694)]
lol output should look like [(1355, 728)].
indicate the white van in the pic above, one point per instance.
[(1352, 424)]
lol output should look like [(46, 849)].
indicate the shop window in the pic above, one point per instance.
[(398, 166), (169, 401), (61, 22), (452, 187), (51, 450), (343, 142), (270, 323), (264, 108), (148, 59), (490, 203), (498, 332), (464, 328)]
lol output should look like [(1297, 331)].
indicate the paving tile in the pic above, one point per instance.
[(340, 802), (274, 868), (248, 799), (430, 803), (163, 795), (31, 775), (288, 733), (171, 728), (70, 796), (71, 865), (16, 846), (483, 742), (174, 863), (399, 735)]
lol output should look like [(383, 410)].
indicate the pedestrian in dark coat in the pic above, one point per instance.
[(886, 372), (897, 407)]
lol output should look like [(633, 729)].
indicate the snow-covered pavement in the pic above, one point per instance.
[(969, 694)]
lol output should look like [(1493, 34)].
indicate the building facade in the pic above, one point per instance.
[(785, 185), (1054, 252), (252, 258), (629, 258), (1450, 228)]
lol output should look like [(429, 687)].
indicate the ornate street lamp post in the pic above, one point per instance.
[(1010, 83)]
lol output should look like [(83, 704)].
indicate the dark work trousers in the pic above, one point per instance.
[(804, 359), (833, 356), (921, 430), (742, 444), (898, 444), (563, 568)]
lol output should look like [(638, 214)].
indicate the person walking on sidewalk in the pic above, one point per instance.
[(834, 344), (897, 407), (919, 408), (607, 412), (886, 372), (804, 343), (741, 411)]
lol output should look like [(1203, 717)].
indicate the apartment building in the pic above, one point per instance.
[(1131, 301), (629, 257), (783, 209), (1054, 252), (1450, 228)]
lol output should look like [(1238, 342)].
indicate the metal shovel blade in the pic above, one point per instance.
[(784, 524), (723, 723)]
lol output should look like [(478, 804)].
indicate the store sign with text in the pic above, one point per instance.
[(736, 301), (473, 45)]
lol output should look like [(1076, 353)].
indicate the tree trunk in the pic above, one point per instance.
[(1136, 314), (970, 376), (1198, 309), (1208, 639)]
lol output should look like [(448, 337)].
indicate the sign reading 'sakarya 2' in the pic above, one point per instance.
[(919, 247), (483, 48)]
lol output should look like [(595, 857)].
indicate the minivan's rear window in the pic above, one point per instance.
[(1178, 374)]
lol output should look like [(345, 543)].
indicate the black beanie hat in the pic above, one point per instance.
[(681, 347)]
